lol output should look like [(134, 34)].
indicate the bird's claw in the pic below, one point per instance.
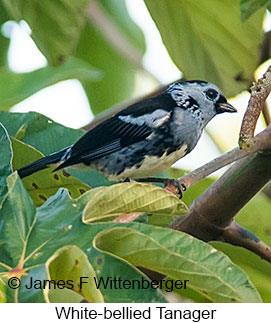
[(170, 184), (179, 186)]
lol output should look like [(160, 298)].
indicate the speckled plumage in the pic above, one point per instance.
[(145, 138)]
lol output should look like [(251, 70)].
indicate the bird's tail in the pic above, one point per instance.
[(42, 163)]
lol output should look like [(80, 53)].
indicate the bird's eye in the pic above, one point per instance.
[(211, 94)]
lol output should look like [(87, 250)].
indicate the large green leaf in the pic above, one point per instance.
[(69, 264), (5, 162), (41, 132), (180, 256), (248, 7), (55, 25), (77, 34), (208, 41), (17, 220), (43, 184), (119, 72), (131, 198), (15, 87), (30, 236)]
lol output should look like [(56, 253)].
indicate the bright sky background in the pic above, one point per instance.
[(66, 101)]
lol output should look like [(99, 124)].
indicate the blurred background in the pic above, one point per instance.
[(66, 102)]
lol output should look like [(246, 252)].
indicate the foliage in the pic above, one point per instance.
[(203, 40), (62, 226)]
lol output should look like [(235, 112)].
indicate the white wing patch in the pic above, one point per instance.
[(153, 120), (67, 155)]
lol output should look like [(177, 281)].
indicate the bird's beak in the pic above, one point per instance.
[(225, 107)]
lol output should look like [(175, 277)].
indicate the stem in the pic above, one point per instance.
[(259, 93), (113, 35), (238, 236)]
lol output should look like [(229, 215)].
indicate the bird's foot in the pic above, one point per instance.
[(170, 184), (175, 184)]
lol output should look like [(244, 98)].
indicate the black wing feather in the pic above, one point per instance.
[(106, 138), (114, 134)]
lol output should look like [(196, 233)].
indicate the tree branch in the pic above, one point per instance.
[(238, 236), (212, 213), (112, 34), (259, 93)]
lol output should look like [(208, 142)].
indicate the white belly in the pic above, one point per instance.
[(151, 165)]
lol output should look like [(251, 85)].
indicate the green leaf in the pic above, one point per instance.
[(5, 162), (69, 264), (25, 248), (39, 131), (108, 266), (248, 7), (131, 198), (15, 87), (17, 220), (55, 25), (208, 41), (43, 184), (119, 72), (180, 256)]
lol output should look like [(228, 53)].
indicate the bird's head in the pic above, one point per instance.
[(203, 99)]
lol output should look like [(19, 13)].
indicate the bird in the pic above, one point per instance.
[(146, 137)]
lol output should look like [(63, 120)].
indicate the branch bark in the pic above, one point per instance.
[(238, 236), (259, 94)]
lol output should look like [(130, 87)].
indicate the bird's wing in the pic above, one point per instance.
[(125, 128)]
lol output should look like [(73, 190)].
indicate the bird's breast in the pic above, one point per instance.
[(151, 165)]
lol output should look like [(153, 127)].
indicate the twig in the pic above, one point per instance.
[(259, 93), (112, 33), (238, 236), (212, 166)]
